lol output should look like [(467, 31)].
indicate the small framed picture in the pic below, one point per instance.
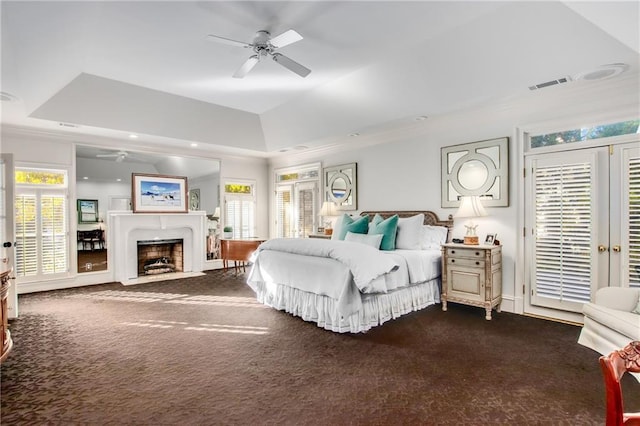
[(490, 239)]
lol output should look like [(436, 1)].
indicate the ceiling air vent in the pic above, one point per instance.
[(550, 83), (75, 126)]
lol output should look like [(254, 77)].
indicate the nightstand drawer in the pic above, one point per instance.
[(464, 252), (460, 261)]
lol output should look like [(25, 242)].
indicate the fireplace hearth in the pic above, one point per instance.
[(160, 256)]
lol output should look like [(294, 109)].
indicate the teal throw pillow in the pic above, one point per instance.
[(388, 228), (357, 226)]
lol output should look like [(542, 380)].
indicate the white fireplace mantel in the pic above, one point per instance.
[(127, 228)]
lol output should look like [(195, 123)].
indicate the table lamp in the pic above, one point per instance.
[(328, 209), (470, 207)]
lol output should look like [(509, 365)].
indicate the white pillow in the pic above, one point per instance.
[(433, 237), (337, 226), (409, 234), (372, 240)]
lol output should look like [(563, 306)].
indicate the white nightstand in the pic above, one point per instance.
[(472, 275)]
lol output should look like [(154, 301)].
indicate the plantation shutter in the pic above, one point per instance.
[(54, 234), (284, 206), (307, 200), (26, 262), (564, 225), (634, 221), (240, 215)]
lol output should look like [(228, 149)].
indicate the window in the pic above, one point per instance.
[(41, 223), (240, 214), (586, 133), (297, 199)]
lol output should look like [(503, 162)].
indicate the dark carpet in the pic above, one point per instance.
[(201, 351)]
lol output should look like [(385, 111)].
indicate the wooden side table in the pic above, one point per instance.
[(472, 275), (238, 251)]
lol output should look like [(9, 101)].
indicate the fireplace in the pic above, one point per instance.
[(126, 229), (159, 257)]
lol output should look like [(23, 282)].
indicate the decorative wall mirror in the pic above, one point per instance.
[(478, 168), (340, 185)]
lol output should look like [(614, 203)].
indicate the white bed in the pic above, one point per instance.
[(346, 286)]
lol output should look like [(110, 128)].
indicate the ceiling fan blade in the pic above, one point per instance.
[(291, 65), (246, 67), (285, 39), (228, 41)]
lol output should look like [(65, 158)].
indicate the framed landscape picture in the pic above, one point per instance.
[(158, 193), (87, 211)]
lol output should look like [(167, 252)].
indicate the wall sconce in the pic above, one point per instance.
[(470, 207)]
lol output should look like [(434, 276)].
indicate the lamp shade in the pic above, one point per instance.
[(216, 213), (470, 206), (328, 209)]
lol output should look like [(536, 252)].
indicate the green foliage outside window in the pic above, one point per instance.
[(236, 188), (587, 133), (39, 177)]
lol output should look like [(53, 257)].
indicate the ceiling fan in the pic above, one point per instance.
[(119, 156), (264, 45)]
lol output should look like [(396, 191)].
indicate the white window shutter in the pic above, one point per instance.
[(26, 262), (634, 222)]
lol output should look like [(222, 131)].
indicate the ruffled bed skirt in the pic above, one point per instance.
[(376, 308)]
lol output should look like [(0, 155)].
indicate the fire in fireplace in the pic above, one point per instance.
[(159, 256)]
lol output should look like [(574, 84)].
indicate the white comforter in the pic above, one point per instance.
[(305, 264)]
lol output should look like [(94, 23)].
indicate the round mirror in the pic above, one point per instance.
[(339, 188), (473, 174)]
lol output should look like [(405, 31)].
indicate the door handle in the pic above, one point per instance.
[(602, 248), (616, 248)]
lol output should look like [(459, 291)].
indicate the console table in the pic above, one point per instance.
[(5, 335), (238, 251)]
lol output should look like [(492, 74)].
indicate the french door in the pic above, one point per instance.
[(296, 205), (7, 236), (582, 224)]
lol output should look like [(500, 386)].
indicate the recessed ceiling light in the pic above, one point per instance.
[(421, 118), (85, 177), (118, 180), (193, 144), (354, 134), (133, 136)]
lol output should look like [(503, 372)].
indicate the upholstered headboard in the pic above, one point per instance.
[(430, 218)]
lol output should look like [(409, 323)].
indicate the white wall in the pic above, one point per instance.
[(401, 171)]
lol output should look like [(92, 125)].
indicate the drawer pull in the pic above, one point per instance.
[(477, 263), (453, 261), (453, 252), (477, 253)]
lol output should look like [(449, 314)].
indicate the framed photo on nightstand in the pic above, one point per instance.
[(490, 239)]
